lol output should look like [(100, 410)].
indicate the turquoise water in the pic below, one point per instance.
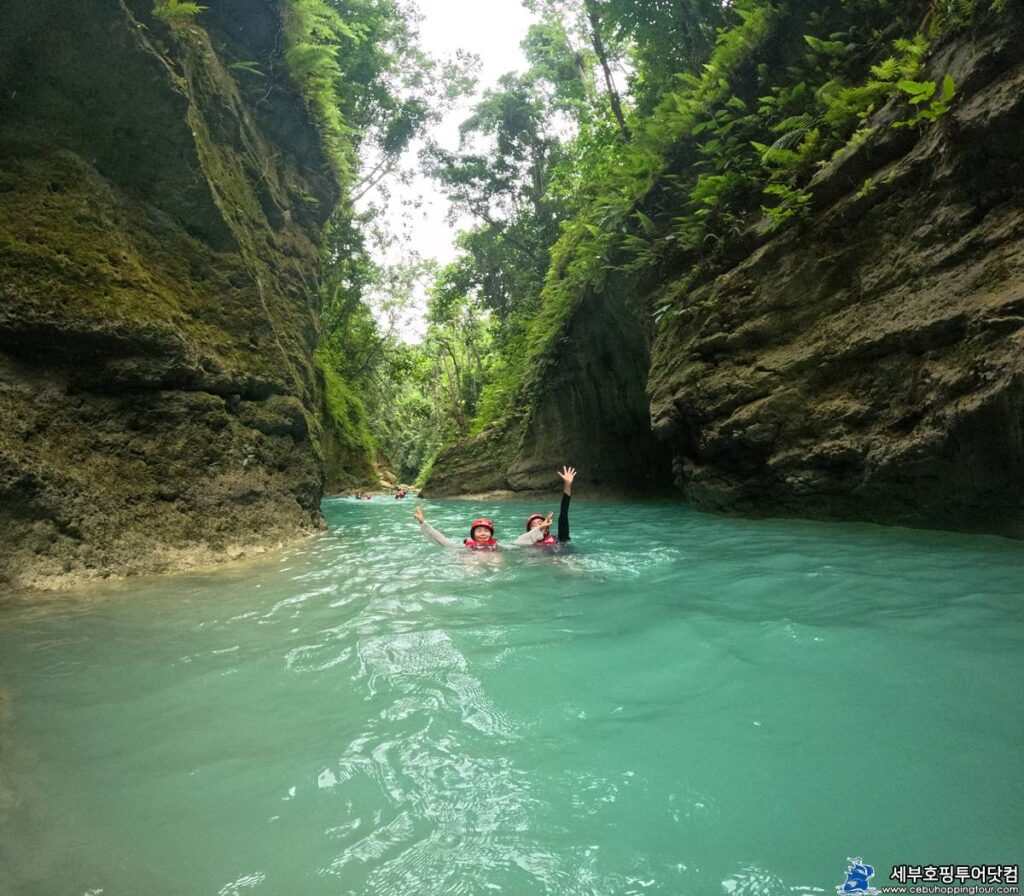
[(683, 705)]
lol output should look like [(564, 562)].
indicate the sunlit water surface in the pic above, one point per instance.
[(682, 705)]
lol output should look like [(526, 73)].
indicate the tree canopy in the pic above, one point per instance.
[(645, 136)]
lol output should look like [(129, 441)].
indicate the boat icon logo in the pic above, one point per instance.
[(857, 879)]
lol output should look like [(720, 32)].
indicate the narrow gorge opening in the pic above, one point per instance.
[(761, 257)]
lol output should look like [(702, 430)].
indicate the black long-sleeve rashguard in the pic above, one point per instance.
[(563, 518)]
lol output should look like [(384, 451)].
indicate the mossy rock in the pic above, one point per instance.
[(158, 297)]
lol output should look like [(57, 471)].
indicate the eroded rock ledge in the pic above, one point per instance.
[(159, 221)]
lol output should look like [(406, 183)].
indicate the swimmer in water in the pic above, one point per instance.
[(538, 521), (481, 534)]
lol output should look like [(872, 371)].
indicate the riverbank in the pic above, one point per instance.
[(161, 560)]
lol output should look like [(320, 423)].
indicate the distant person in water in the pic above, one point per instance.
[(401, 493), (481, 534), (537, 521)]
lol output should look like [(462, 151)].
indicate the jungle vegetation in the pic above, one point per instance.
[(645, 136)]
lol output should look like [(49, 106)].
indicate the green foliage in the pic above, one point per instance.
[(664, 39), (176, 12), (732, 110), (603, 188), (346, 443), (501, 178), (722, 149), (373, 90), (843, 107), (367, 82), (423, 396), (922, 92), (947, 14), (346, 411), (792, 203), (250, 67), (313, 33)]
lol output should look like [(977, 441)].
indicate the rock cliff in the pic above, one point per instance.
[(863, 365), (869, 365), (587, 406), (162, 191)]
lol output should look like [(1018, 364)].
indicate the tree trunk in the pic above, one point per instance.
[(602, 55)]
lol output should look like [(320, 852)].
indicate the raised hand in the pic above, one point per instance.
[(418, 514), (567, 475), (547, 521)]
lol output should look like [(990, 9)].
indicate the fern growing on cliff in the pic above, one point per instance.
[(921, 92), (176, 11), (313, 34)]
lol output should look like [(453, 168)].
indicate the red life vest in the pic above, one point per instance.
[(546, 540), (489, 545)]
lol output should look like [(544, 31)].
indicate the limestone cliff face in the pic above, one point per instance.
[(587, 406), (869, 365), (159, 218)]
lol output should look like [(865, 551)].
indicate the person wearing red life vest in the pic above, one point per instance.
[(539, 521), (481, 534)]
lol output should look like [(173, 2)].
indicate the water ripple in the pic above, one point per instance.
[(678, 704)]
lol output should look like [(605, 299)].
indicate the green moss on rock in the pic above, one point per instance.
[(347, 445), (158, 310)]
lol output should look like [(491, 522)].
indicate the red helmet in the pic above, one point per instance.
[(531, 518), (481, 522)]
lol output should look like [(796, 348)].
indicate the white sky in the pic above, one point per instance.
[(492, 29)]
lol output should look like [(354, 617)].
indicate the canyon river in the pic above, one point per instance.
[(677, 704)]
